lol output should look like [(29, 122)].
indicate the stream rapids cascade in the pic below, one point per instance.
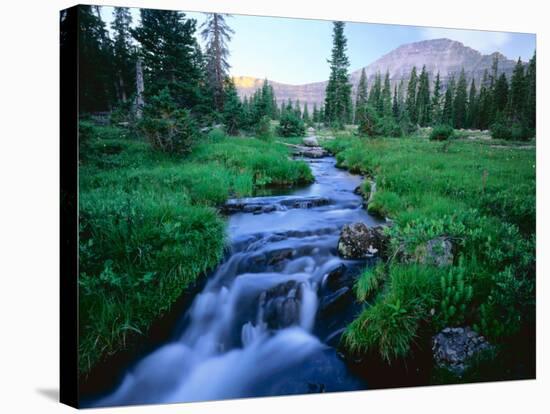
[(269, 318)]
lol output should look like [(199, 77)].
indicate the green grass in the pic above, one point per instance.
[(149, 225), (480, 196)]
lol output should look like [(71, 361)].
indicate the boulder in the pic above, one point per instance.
[(281, 305), (311, 141), (453, 348), (359, 241), (335, 301), (438, 252)]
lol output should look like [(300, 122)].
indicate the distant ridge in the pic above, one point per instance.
[(443, 55)]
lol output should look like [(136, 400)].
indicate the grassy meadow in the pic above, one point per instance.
[(480, 195), (149, 226)]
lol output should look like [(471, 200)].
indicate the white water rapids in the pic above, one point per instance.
[(256, 328)]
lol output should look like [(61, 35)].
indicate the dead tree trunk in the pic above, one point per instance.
[(139, 90)]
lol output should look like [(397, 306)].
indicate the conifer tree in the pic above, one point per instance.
[(217, 34), (517, 92), (305, 114), (484, 102), (410, 103), (374, 99), (401, 97), (472, 116), (96, 85), (233, 113), (436, 101), (386, 108), (530, 109), (500, 95), (448, 112), (460, 101), (315, 113), (395, 104), (171, 56), (338, 105), (423, 98), (123, 53), (361, 98)]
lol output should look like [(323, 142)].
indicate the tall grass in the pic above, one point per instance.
[(480, 196)]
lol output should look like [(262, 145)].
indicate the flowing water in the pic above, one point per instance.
[(269, 316)]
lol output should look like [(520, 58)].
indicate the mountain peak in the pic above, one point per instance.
[(444, 56)]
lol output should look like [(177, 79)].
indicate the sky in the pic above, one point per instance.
[(295, 51)]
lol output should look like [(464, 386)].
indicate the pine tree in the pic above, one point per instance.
[(395, 104), (484, 102), (96, 85), (448, 111), (386, 108), (472, 117), (410, 103), (423, 98), (361, 98), (123, 53), (305, 114), (401, 98), (436, 101), (233, 113), (517, 92), (171, 56), (216, 34), (530, 108), (460, 101), (338, 91), (374, 99), (500, 96), (315, 113)]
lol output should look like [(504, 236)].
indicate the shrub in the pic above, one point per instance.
[(166, 127), (501, 131), (521, 132), (290, 125), (441, 133), (216, 134), (514, 132), (369, 122), (263, 128)]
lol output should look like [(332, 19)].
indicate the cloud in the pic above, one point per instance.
[(486, 42)]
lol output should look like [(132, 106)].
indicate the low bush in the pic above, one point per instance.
[(290, 125), (167, 128), (263, 129), (441, 133)]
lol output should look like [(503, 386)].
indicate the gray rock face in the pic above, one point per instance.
[(311, 141), (358, 241), (453, 348)]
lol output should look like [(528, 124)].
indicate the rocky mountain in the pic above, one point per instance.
[(445, 56)]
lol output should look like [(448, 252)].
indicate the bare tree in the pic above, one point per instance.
[(217, 34)]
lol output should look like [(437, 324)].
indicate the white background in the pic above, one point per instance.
[(29, 223)]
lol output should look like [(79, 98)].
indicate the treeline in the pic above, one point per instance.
[(157, 77), (507, 107)]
